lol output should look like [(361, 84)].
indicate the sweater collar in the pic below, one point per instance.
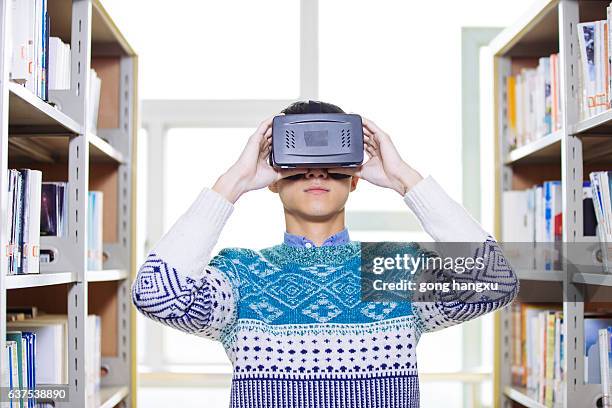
[(339, 238)]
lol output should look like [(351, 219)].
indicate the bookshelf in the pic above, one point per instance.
[(568, 154), (35, 134)]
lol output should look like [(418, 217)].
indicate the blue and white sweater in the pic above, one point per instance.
[(291, 318)]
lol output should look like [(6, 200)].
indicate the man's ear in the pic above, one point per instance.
[(354, 181)]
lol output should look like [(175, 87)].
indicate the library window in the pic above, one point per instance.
[(206, 52)]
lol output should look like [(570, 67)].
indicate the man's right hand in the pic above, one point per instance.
[(252, 170)]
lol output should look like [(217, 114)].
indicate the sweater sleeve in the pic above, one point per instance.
[(459, 234), (177, 285)]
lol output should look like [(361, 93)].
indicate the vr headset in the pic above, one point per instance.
[(316, 139)]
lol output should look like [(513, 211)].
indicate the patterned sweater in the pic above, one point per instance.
[(291, 318)]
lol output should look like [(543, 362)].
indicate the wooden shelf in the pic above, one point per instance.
[(106, 37), (28, 114), (54, 149), (598, 124), (38, 279), (58, 278), (106, 275), (101, 151), (521, 396), (597, 279), (535, 34), (111, 396), (544, 149), (540, 275)]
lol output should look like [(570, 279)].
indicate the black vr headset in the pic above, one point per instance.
[(317, 139)]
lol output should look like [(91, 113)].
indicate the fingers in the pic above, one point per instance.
[(266, 140), (264, 125), (370, 151), (373, 128)]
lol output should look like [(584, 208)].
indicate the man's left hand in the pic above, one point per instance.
[(384, 167)]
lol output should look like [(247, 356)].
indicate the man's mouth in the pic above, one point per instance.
[(316, 190)]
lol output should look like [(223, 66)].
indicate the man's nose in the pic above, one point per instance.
[(316, 172)]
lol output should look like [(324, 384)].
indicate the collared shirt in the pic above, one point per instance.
[(338, 238)]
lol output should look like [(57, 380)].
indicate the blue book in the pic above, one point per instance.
[(10, 370), (31, 364), (552, 207)]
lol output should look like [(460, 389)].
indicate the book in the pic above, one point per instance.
[(13, 375), (605, 364), (29, 63), (602, 203), (24, 221), (53, 213), (94, 238), (95, 86), (59, 64), (538, 351), (51, 346), (31, 221), (518, 227), (533, 101), (592, 325), (21, 362)]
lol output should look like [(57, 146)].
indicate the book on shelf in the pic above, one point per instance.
[(44, 353), (94, 236), (59, 64), (29, 46), (592, 362), (13, 370), (595, 67), (538, 351), (53, 211), (24, 215), (605, 358), (601, 187), (95, 86), (533, 219), (22, 361), (41, 209), (533, 101)]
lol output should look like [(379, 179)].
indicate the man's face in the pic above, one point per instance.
[(315, 194)]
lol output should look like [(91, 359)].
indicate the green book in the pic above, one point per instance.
[(21, 361)]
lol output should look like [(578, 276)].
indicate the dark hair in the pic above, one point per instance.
[(302, 107)]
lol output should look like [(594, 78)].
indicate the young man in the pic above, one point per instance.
[(290, 316)]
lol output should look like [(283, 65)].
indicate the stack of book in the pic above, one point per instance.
[(24, 199), (30, 46), (59, 64), (37, 346), (535, 216), (595, 66), (95, 86), (601, 182), (538, 351), (38, 209), (533, 101)]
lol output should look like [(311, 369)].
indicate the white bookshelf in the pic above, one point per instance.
[(569, 154), (38, 135)]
